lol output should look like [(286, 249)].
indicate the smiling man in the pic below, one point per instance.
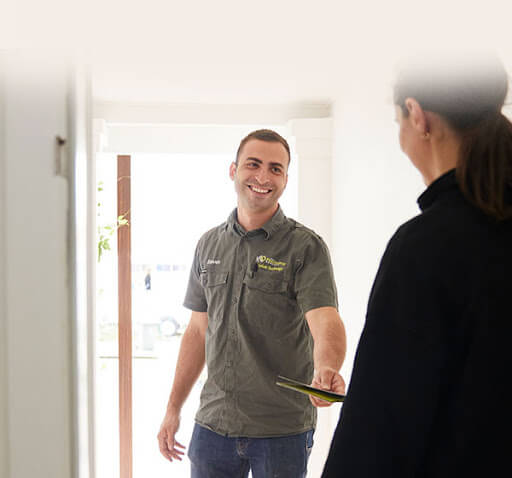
[(264, 303)]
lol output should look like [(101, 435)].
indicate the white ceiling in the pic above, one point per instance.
[(220, 83), (283, 52)]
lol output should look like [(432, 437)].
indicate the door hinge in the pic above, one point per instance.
[(61, 157)]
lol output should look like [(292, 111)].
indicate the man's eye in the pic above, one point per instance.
[(276, 170)]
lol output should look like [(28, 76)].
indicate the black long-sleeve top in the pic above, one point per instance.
[(429, 390)]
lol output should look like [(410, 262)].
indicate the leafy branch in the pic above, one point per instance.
[(105, 232)]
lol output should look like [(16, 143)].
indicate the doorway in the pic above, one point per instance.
[(175, 198)]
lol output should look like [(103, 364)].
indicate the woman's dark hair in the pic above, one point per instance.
[(469, 94)]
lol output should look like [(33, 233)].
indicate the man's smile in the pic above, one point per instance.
[(259, 190)]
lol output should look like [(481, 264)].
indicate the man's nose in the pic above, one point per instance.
[(262, 176)]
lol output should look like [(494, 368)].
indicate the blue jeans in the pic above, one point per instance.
[(217, 456)]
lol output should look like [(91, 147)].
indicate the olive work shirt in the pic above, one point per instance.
[(256, 287)]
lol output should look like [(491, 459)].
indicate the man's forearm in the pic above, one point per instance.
[(329, 351), (191, 359), (329, 337)]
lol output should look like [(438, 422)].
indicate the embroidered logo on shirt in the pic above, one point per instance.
[(213, 261), (270, 264)]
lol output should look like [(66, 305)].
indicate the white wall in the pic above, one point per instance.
[(312, 142), (374, 191), (206, 113), (35, 334), (4, 442)]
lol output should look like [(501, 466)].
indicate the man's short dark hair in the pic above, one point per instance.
[(264, 135)]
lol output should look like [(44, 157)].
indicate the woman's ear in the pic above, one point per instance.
[(418, 118)]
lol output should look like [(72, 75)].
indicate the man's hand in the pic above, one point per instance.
[(189, 366), (327, 379), (330, 344), (169, 446)]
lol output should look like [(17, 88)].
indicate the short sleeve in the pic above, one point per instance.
[(195, 298), (314, 278)]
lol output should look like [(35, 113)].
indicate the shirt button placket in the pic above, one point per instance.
[(232, 342)]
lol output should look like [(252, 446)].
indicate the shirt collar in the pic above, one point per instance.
[(274, 223), (269, 228), (443, 184)]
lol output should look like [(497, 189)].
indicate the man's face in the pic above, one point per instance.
[(261, 175)]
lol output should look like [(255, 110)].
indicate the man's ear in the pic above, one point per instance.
[(232, 170), (417, 116)]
